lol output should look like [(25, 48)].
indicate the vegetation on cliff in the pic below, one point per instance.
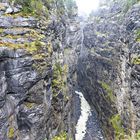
[(46, 7), (61, 136), (39, 48), (59, 80)]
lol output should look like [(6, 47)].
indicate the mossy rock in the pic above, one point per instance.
[(138, 135), (32, 47), (136, 61), (32, 8), (118, 128), (59, 78), (11, 132), (1, 30), (29, 105), (61, 136), (138, 35), (108, 90)]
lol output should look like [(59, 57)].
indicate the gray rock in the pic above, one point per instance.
[(3, 89), (108, 49), (9, 22), (9, 10), (6, 52)]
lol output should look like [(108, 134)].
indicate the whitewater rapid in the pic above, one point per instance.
[(88, 125), (82, 122)]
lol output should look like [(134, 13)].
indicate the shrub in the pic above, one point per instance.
[(59, 78), (32, 7), (108, 90), (117, 125)]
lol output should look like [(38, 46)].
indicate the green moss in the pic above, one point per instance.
[(50, 48), (61, 136), (40, 56), (35, 34), (120, 133), (59, 78), (11, 133), (30, 47), (135, 137), (109, 91), (29, 105), (37, 49), (136, 61), (32, 8), (44, 7), (138, 135), (1, 30), (138, 35), (13, 36), (117, 125), (41, 64), (15, 15), (29, 33), (11, 45)]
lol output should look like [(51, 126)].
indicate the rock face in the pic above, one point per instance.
[(43, 61), (29, 51), (108, 69)]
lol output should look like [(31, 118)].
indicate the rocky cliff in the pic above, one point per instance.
[(109, 68), (34, 98), (48, 54)]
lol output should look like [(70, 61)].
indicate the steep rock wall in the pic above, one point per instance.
[(34, 99), (43, 61), (108, 68)]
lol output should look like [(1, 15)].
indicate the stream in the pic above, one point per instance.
[(87, 127)]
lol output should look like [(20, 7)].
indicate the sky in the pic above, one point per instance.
[(86, 6)]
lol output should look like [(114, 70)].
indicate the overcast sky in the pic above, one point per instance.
[(86, 6)]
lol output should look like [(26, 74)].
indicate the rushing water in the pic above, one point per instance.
[(88, 127), (85, 112)]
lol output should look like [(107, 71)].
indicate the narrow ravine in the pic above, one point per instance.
[(87, 127), (85, 113)]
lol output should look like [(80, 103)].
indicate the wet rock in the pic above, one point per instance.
[(6, 52), (28, 108), (3, 89), (104, 67), (9, 22), (11, 10)]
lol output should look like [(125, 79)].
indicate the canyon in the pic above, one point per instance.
[(65, 77)]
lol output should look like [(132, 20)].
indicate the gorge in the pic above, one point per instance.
[(69, 77)]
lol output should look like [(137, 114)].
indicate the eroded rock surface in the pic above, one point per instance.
[(29, 110), (108, 69), (44, 61)]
